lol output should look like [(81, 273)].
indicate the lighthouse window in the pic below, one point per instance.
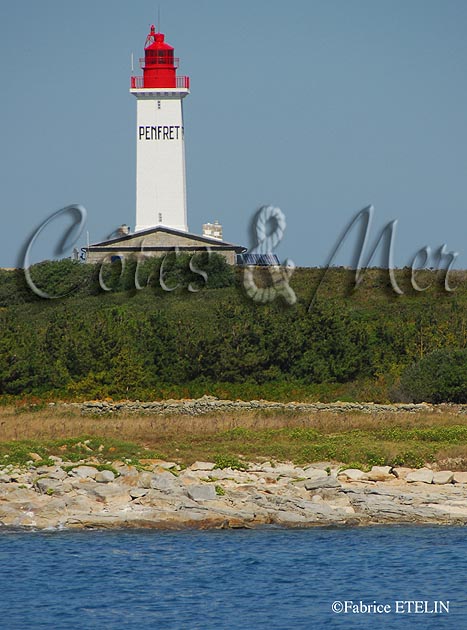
[(160, 56), (158, 104)]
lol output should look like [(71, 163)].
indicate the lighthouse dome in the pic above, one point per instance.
[(159, 63)]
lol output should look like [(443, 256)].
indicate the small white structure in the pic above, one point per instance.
[(160, 144), (213, 230)]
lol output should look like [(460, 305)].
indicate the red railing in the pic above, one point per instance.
[(137, 83)]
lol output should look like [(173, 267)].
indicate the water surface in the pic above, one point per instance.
[(232, 580)]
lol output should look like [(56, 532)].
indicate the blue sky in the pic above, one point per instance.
[(318, 107)]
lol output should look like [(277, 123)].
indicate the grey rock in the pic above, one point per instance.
[(202, 466), (58, 473), (124, 470), (165, 481), (82, 485), (329, 494), (84, 472), (354, 474), (105, 476), (80, 503), (324, 482), (380, 473), (460, 477), (110, 493), (401, 472), (137, 493), (288, 518), (202, 493), (442, 477), (45, 470), (424, 475), (51, 486), (160, 500), (145, 479), (166, 465), (315, 473), (287, 470)]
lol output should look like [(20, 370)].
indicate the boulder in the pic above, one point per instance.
[(109, 493), (288, 470), (163, 500), (81, 503), (130, 480), (460, 477), (57, 473), (353, 474), (124, 470), (315, 473), (287, 518), (401, 472), (323, 482), (442, 477), (380, 473), (424, 475), (105, 476), (52, 486), (202, 466), (84, 472), (202, 493), (158, 463), (145, 479), (45, 470), (165, 481)]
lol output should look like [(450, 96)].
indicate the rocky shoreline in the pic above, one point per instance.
[(85, 494)]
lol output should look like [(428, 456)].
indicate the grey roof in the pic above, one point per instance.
[(161, 228)]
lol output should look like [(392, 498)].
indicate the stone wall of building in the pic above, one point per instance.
[(156, 243), (94, 257)]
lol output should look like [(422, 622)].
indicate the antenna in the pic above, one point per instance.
[(132, 64), (159, 19)]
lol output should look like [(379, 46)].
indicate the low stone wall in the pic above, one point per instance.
[(210, 404)]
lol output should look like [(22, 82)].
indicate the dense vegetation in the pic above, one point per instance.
[(438, 377), (207, 336)]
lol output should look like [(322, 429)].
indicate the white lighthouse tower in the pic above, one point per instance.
[(160, 145)]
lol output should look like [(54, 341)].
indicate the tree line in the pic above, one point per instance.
[(150, 343)]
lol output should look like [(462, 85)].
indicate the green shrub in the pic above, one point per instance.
[(439, 377), (225, 461)]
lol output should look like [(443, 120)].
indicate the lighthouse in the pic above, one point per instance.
[(160, 143), (161, 212)]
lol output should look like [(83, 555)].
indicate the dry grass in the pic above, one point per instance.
[(18, 423), (354, 438)]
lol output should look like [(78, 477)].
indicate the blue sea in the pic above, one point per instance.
[(274, 579)]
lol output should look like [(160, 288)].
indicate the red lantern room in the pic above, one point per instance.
[(159, 65)]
